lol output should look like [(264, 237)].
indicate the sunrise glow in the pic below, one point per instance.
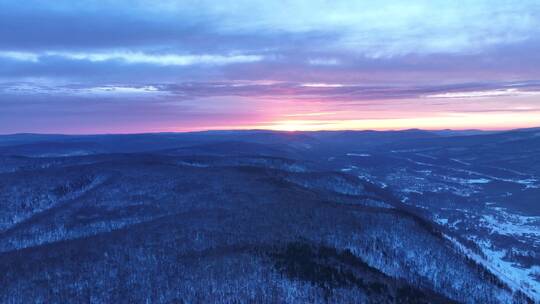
[(317, 65)]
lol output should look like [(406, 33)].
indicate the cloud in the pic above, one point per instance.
[(299, 91), (20, 56), (379, 29), (136, 57), (484, 94), (324, 61), (322, 85), (159, 59)]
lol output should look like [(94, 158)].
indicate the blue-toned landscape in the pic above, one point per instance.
[(269, 217), (269, 151)]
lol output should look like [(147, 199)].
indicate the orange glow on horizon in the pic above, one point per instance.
[(457, 121), (491, 121)]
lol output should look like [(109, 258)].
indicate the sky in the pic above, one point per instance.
[(133, 66)]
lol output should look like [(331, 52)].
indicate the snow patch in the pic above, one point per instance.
[(477, 181), (516, 278), (359, 154), (460, 161)]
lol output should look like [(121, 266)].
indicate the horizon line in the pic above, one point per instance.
[(275, 131)]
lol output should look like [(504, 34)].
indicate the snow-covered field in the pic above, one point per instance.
[(468, 200)]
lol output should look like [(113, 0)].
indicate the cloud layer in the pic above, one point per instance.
[(209, 64)]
